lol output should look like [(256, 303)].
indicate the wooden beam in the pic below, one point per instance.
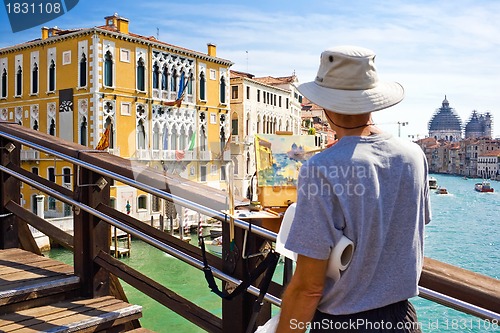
[(43, 181), (161, 236), (158, 292), (45, 227)]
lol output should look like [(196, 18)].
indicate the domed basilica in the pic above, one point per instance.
[(446, 125)]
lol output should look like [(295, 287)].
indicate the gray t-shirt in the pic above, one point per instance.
[(372, 189)]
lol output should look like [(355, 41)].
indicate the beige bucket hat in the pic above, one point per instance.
[(347, 83)]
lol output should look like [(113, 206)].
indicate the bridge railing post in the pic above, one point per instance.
[(91, 234), (10, 188)]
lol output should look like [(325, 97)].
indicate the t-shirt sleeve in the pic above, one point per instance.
[(316, 227)]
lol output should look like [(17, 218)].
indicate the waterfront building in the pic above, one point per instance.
[(76, 83), (445, 124), (259, 105), (460, 158), (479, 125), (488, 165)]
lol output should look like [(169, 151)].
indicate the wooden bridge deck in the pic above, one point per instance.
[(33, 298)]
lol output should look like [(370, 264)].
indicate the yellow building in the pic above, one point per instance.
[(76, 83)]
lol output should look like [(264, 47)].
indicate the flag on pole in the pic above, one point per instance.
[(192, 141), (180, 92), (104, 141)]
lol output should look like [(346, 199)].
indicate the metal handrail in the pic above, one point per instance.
[(423, 292), (265, 233), (141, 235)]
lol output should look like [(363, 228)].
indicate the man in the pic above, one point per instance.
[(369, 187)]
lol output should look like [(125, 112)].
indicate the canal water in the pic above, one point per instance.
[(464, 231)]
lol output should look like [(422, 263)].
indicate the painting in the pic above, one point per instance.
[(279, 158)]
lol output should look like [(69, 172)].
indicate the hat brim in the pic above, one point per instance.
[(352, 102)]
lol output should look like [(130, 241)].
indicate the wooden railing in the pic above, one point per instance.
[(93, 170)]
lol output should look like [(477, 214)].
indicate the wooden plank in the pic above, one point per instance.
[(161, 236), (41, 138), (163, 295), (86, 316), (13, 268), (36, 273), (198, 193), (91, 235), (48, 309), (26, 239), (46, 286), (52, 312), (56, 234), (9, 190), (44, 181)]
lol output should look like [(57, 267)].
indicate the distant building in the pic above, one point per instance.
[(76, 83), (479, 125), (445, 123), (488, 165), (265, 105)]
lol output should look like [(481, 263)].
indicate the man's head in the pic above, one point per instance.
[(347, 83)]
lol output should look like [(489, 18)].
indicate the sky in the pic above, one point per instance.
[(433, 48)]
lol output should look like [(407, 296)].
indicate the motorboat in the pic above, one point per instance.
[(433, 183), (484, 186), (442, 190), (215, 246)]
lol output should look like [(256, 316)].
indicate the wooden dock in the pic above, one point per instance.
[(41, 294)]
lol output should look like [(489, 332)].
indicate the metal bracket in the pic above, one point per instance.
[(101, 182)]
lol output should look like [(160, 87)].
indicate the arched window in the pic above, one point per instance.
[(52, 127), (173, 81), (83, 71), (109, 123), (223, 90), (156, 137), (156, 76), (222, 140), (19, 81), (108, 69), (142, 202), (34, 79), (164, 78), (190, 85), (165, 138), (34, 205), (66, 175), (202, 86), (141, 135), (4, 83), (173, 139), (140, 75), (182, 138), (248, 164), (83, 131), (52, 76), (203, 139), (51, 174)]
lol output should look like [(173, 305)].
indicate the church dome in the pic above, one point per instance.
[(473, 125), (445, 119)]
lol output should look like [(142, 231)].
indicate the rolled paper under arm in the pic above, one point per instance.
[(340, 258)]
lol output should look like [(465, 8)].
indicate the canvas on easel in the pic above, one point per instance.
[(278, 159)]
